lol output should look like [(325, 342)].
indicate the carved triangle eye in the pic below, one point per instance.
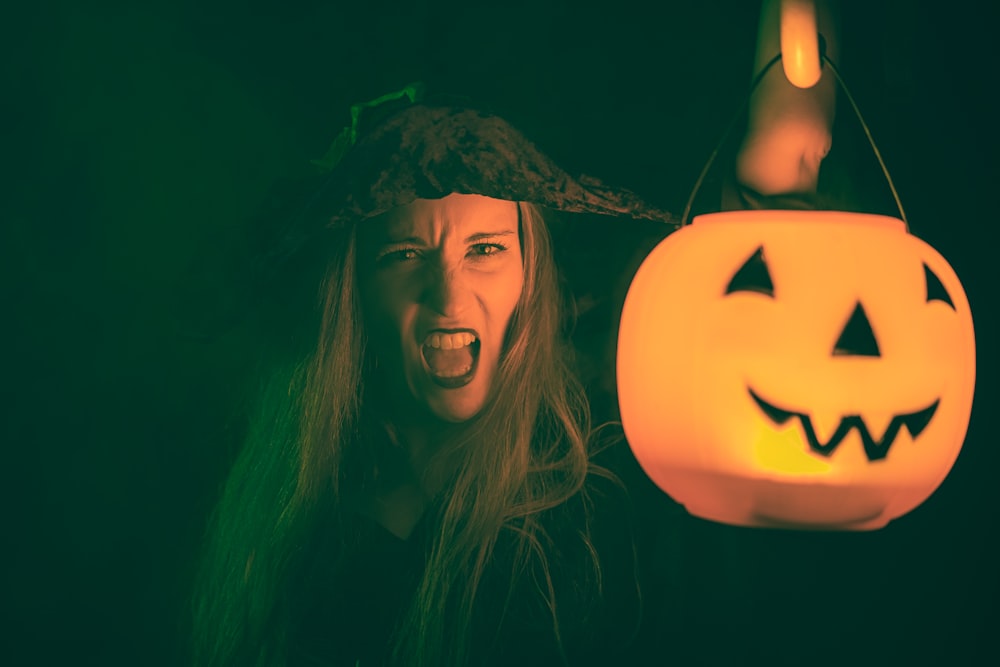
[(935, 288), (753, 276)]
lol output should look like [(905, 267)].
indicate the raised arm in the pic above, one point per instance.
[(789, 128)]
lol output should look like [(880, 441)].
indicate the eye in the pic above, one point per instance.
[(935, 289), (753, 276), (396, 255), (479, 250)]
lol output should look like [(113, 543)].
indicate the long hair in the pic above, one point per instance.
[(529, 455)]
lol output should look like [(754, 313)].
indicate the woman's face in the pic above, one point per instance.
[(439, 280)]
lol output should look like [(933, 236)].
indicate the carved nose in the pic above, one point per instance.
[(857, 338)]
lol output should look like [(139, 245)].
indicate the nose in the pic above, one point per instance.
[(857, 337), (447, 291)]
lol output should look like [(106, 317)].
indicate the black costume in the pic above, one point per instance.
[(345, 606)]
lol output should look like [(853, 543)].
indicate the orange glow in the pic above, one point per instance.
[(800, 43), (812, 369)]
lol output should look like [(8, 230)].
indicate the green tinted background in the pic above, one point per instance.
[(139, 138)]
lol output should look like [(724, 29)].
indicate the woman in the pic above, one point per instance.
[(419, 489)]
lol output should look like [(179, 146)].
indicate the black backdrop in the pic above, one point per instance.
[(140, 137)]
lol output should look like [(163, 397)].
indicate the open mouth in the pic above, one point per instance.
[(451, 357), (915, 423)]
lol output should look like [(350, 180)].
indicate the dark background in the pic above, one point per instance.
[(140, 137)]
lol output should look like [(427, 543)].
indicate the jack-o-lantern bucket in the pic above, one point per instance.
[(805, 369)]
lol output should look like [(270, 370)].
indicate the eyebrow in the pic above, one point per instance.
[(412, 240), (487, 235), (416, 240)]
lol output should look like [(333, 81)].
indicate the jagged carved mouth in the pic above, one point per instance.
[(915, 423)]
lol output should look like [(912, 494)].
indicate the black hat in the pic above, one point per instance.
[(428, 151)]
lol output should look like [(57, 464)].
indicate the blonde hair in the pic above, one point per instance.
[(530, 455)]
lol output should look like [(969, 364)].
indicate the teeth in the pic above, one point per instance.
[(449, 341), (455, 373), (916, 422), (877, 425), (825, 424)]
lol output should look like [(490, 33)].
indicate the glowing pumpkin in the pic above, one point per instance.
[(809, 369)]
